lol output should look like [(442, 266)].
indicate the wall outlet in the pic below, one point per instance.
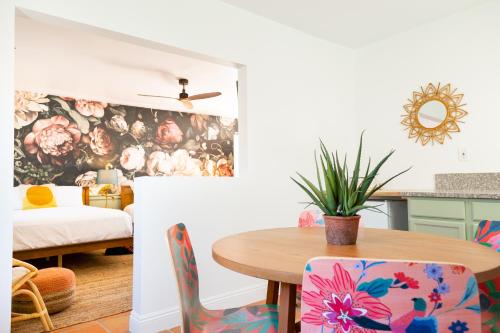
[(463, 154)]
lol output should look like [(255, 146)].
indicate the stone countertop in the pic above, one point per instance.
[(458, 194)]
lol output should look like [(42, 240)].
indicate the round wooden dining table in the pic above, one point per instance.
[(280, 255)]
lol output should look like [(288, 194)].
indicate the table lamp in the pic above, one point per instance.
[(108, 177)]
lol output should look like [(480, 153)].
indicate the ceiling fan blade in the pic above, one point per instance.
[(206, 95), (187, 103), (159, 96)]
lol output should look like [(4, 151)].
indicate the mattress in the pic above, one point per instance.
[(48, 227), (130, 210)]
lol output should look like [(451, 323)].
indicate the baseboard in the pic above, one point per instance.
[(160, 320)]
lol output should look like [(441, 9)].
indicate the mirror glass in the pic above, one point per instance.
[(432, 114)]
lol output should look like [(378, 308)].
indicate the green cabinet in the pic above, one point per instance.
[(454, 229), (456, 218)]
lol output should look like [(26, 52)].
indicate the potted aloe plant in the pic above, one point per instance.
[(341, 195)]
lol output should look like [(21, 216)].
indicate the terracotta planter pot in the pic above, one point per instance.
[(341, 230)]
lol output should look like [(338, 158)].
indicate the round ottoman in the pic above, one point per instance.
[(57, 287)]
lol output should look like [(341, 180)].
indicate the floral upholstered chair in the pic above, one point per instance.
[(195, 318), (488, 234), (366, 296), (311, 218)]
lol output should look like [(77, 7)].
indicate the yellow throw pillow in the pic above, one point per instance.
[(38, 197)]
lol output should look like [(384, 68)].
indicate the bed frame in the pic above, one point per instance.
[(127, 197)]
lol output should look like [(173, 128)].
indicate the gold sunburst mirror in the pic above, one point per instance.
[(433, 113)]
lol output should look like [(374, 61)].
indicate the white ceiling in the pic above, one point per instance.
[(354, 23), (79, 63)]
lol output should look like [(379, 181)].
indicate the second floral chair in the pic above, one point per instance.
[(488, 234), (197, 319), (366, 296)]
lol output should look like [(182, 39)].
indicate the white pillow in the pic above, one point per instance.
[(68, 196)]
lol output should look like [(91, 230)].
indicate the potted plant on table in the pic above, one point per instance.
[(341, 196)]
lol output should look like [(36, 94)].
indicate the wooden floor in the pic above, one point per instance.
[(112, 324)]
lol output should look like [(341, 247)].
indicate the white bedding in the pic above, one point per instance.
[(47, 227), (130, 210)]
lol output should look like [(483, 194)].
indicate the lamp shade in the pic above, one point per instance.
[(107, 176)]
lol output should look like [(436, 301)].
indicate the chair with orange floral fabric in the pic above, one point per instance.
[(195, 318), (366, 296), (488, 234)]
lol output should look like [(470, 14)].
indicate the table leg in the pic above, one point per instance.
[(272, 292), (286, 323)]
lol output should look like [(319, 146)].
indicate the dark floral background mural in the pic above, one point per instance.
[(65, 141)]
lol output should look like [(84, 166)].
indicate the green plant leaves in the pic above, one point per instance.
[(336, 193)]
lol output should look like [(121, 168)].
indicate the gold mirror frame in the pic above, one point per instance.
[(454, 112)]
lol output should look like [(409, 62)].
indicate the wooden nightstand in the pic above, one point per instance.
[(114, 201)]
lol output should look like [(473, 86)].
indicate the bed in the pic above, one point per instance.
[(63, 230)]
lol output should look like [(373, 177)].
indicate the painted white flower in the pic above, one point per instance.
[(133, 158), (227, 122), (159, 164), (178, 164), (138, 129), (213, 132), (118, 123), (185, 165), (27, 107), (88, 178)]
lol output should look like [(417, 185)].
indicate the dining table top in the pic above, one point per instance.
[(281, 254)]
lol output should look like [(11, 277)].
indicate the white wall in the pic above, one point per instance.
[(6, 155), (464, 50), (297, 89), (80, 63)]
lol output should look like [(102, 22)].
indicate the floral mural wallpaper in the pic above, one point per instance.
[(64, 140)]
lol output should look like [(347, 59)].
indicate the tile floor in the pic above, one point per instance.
[(117, 324)]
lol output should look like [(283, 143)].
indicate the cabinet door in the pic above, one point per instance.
[(449, 228), (439, 208), (100, 201)]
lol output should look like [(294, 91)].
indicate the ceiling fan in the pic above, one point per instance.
[(184, 98)]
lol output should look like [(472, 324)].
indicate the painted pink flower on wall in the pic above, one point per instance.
[(168, 132), (90, 108), (52, 139), (100, 142)]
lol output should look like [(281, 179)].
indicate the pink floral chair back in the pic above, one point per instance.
[(311, 218), (366, 296), (197, 319), (488, 234)]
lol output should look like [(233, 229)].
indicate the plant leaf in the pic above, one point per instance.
[(82, 122)]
